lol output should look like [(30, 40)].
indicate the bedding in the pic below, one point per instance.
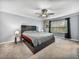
[(37, 38)]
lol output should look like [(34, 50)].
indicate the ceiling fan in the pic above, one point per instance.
[(44, 13)]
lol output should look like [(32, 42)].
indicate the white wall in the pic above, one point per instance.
[(78, 27), (9, 23), (74, 27)]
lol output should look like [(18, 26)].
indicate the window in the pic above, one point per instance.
[(58, 26)]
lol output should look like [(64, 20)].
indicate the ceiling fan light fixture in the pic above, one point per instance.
[(44, 13)]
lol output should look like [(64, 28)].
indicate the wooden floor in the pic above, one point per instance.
[(61, 49)]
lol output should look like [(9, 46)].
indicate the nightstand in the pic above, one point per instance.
[(16, 40)]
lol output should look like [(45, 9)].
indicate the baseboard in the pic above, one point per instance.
[(6, 42), (75, 40), (59, 37)]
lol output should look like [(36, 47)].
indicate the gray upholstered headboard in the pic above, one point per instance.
[(27, 28)]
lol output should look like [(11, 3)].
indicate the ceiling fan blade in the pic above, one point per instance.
[(36, 8), (50, 13), (38, 13)]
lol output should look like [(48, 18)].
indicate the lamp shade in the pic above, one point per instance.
[(16, 32)]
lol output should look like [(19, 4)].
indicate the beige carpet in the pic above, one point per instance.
[(61, 49), (14, 51)]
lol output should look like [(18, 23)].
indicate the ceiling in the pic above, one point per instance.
[(30, 7)]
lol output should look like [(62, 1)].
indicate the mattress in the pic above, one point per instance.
[(38, 38)]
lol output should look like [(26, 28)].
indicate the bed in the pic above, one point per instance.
[(34, 39)]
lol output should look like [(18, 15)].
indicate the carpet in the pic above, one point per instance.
[(14, 51), (60, 49)]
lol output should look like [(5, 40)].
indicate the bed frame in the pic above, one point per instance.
[(30, 44)]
